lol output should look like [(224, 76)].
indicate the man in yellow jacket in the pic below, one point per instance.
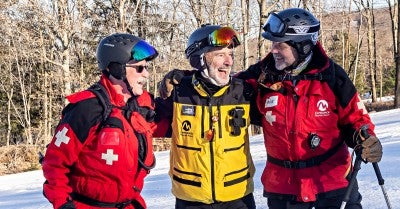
[(210, 161)]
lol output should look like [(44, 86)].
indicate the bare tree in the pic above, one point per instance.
[(367, 11), (6, 86), (395, 24), (265, 8), (371, 47), (245, 17), (358, 49)]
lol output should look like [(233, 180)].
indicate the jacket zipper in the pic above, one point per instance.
[(219, 122), (211, 150), (202, 121)]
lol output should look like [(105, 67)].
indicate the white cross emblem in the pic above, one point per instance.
[(61, 136), (361, 106), (109, 156), (269, 117)]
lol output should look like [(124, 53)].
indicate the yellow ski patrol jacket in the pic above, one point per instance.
[(210, 157)]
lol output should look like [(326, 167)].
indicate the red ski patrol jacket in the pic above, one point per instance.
[(92, 159), (304, 128)]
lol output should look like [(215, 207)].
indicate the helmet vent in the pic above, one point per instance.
[(303, 23)]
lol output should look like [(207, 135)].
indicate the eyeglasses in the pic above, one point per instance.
[(224, 36), (143, 51), (139, 68), (276, 26)]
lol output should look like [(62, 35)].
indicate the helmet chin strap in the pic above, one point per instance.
[(207, 77), (118, 71), (298, 66), (128, 86), (205, 72), (203, 63)]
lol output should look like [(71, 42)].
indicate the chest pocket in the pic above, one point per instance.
[(108, 135)]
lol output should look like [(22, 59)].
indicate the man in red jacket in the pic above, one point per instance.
[(102, 147), (310, 106), (311, 115)]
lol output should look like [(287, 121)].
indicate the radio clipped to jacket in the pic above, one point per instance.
[(237, 120)]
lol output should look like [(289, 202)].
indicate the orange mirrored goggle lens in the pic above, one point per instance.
[(224, 37)]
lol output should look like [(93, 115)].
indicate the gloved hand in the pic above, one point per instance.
[(68, 205), (170, 79), (371, 149)]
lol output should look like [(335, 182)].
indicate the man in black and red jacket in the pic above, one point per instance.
[(312, 114), (102, 147)]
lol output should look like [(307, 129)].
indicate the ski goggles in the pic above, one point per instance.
[(143, 51), (224, 36), (277, 27)]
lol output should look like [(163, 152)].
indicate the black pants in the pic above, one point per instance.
[(246, 202), (328, 200)]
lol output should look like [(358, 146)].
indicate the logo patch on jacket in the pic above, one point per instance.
[(271, 101), (322, 106), (186, 129), (188, 110)]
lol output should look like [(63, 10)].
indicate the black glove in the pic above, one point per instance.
[(172, 78), (68, 205), (371, 149)]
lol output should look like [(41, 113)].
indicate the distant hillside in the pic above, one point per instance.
[(332, 24)]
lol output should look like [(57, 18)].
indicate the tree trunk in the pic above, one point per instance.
[(371, 49), (359, 41), (262, 4), (245, 18), (397, 62)]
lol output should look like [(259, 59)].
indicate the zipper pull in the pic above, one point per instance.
[(210, 135)]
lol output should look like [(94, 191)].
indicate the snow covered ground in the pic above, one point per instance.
[(24, 190)]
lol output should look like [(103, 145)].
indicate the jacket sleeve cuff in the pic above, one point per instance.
[(58, 203)]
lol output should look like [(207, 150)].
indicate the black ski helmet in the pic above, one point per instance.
[(115, 50), (206, 37), (295, 26)]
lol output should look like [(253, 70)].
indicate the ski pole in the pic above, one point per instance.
[(381, 181), (357, 167)]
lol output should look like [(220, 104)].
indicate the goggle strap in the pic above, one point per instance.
[(312, 29), (196, 46), (208, 41)]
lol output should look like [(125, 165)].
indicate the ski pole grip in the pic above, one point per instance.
[(364, 132)]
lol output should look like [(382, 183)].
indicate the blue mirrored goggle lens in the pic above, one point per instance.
[(143, 51), (275, 25)]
